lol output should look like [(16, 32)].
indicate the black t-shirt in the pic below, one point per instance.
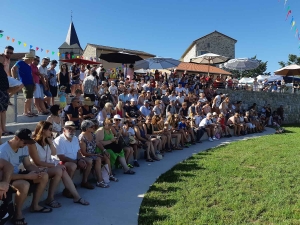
[(154, 98), (132, 111), (69, 109), (76, 71), (184, 111)]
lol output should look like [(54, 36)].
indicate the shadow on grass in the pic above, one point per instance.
[(167, 189), (147, 216)]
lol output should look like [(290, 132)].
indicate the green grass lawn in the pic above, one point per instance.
[(248, 182)]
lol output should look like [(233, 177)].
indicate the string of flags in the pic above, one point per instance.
[(293, 23)]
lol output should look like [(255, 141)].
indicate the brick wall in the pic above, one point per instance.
[(289, 101)]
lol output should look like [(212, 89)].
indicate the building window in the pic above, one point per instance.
[(201, 52)]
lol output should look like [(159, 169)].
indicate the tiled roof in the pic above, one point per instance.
[(200, 68), (113, 49)]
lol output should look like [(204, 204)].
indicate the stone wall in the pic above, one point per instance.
[(289, 101), (190, 54), (218, 44)]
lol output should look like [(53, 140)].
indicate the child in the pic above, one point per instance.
[(78, 94), (62, 97)]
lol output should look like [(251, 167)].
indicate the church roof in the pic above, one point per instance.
[(72, 40)]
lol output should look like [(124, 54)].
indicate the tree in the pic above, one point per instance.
[(260, 70), (293, 59)]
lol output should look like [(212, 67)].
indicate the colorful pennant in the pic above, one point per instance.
[(25, 44), (1, 35), (47, 51), (19, 42), (13, 40)]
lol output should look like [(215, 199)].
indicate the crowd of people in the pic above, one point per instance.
[(118, 116)]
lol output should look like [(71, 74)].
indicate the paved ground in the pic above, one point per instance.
[(119, 204)]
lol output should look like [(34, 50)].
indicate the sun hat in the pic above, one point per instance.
[(146, 101), (70, 124), (88, 101), (133, 100), (214, 114), (25, 135), (28, 56), (62, 87), (118, 117)]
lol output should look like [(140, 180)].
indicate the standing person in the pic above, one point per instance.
[(75, 73), (45, 79), (89, 86), (14, 84), (4, 98), (22, 70), (52, 77), (63, 77), (38, 94), (62, 97)]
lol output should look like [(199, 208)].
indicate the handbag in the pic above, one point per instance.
[(105, 173), (122, 143), (132, 140)]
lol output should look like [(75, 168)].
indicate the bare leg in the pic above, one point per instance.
[(42, 182), (66, 179), (55, 173), (98, 169), (22, 187), (123, 163), (89, 164), (71, 168)]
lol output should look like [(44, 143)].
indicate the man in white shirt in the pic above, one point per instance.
[(16, 151), (180, 98), (207, 125), (179, 88), (68, 151), (146, 109), (44, 72)]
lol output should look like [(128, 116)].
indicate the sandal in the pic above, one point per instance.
[(112, 178), (102, 184), (54, 204), (150, 160), (178, 148), (129, 172), (155, 158), (33, 114), (27, 114), (81, 201), (19, 221), (42, 210)]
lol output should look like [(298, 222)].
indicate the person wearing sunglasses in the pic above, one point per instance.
[(72, 113)]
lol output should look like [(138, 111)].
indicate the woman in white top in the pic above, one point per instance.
[(41, 157), (113, 90), (106, 112), (56, 120)]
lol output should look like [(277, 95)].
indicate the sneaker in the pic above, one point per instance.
[(136, 164), (129, 165), (210, 139), (214, 138)]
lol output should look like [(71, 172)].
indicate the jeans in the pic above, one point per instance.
[(199, 133)]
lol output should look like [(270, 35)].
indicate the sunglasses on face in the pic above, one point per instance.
[(117, 120), (9, 53)]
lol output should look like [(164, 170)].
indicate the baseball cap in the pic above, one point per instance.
[(146, 101), (25, 135), (70, 124)]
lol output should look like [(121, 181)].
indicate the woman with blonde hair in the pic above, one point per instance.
[(159, 132), (119, 109), (106, 112), (41, 157)]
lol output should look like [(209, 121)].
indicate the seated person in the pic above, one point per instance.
[(85, 111), (146, 109), (71, 112), (15, 151), (41, 157), (234, 123), (207, 125), (132, 110), (225, 128), (68, 152)]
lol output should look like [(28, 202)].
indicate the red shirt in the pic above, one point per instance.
[(35, 72)]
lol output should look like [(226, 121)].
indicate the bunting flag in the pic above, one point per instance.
[(47, 51), (19, 42), (30, 46), (292, 20), (7, 38), (13, 40), (53, 53), (63, 55), (296, 32), (77, 57), (42, 50), (285, 2), (73, 56), (25, 44), (1, 35), (58, 54), (293, 24), (37, 48), (289, 13)]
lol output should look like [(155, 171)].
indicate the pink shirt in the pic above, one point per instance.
[(35, 72)]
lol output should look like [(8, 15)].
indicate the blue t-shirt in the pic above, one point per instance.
[(181, 125), (62, 97), (24, 72)]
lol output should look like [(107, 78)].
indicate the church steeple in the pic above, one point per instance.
[(72, 37)]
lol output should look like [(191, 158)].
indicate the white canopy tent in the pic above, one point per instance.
[(269, 78), (246, 80)]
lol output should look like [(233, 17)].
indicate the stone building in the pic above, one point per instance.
[(214, 42), (71, 47), (93, 51)]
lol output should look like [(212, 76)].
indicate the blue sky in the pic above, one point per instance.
[(162, 27)]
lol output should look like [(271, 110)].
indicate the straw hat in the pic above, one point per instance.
[(88, 101), (28, 56)]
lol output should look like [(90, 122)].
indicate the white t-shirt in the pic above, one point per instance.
[(218, 100), (65, 147), (43, 70), (180, 99), (83, 75), (44, 153), (15, 158), (204, 122), (178, 89), (113, 90), (174, 98), (197, 120)]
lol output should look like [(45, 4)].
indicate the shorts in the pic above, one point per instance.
[(62, 105), (28, 91), (13, 82), (47, 93), (32, 184), (75, 82), (38, 93), (4, 99), (53, 90)]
